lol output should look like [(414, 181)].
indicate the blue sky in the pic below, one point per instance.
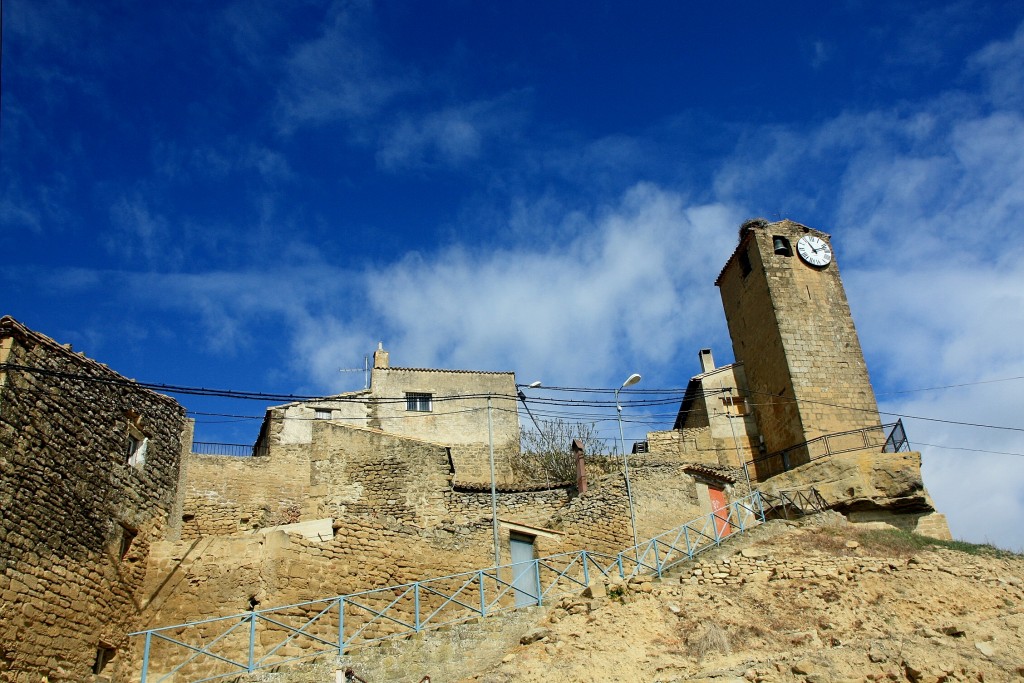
[(251, 195)]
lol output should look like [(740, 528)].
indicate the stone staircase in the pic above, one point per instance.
[(450, 653)]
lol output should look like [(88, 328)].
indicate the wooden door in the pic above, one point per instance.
[(720, 507)]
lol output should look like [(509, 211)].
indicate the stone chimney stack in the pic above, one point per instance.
[(581, 468), (380, 358), (707, 361)]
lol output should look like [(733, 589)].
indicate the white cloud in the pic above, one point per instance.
[(449, 137), (341, 74), (629, 284), (139, 236), (1001, 65)]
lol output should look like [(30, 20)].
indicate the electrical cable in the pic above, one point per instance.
[(565, 403), (970, 450), (951, 386)]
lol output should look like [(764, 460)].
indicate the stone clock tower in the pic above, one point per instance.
[(791, 328)]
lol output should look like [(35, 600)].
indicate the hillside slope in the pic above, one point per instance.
[(820, 601)]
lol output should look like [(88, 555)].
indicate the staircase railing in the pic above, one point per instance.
[(228, 646)]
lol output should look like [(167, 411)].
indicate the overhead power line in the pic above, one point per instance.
[(970, 450), (951, 386), (563, 403)]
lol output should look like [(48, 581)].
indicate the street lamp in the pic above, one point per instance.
[(494, 485), (522, 397), (630, 381)]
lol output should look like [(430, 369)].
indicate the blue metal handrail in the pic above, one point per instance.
[(334, 625)]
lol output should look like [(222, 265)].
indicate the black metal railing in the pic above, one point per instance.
[(890, 438), (897, 439), (787, 504), (238, 450)]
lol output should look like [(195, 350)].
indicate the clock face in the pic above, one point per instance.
[(814, 250)]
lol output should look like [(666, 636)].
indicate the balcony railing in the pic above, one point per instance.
[(889, 438), (238, 450)]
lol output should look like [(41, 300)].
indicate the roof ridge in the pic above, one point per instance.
[(7, 322), (473, 372)]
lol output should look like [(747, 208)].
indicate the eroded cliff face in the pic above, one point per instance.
[(869, 487)]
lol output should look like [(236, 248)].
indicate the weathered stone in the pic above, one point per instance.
[(534, 635), (804, 667)]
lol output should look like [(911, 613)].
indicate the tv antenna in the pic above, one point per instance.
[(365, 370)]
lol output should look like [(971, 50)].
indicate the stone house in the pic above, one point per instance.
[(468, 411), (715, 424), (89, 471)]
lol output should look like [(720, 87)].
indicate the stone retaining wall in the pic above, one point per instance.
[(755, 565)]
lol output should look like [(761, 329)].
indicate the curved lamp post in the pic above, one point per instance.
[(630, 381), (490, 449), (522, 397)]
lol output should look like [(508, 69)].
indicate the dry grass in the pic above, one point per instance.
[(707, 639)]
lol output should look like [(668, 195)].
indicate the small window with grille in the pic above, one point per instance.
[(323, 413), (419, 402)]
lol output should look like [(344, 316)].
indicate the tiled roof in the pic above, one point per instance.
[(454, 372), (712, 472)]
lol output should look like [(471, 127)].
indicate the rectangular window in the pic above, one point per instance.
[(418, 402), (104, 653), (125, 543), (738, 401), (135, 450), (323, 413), (745, 267)]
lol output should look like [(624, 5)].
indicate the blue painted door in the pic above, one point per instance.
[(524, 571)]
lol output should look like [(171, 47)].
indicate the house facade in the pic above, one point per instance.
[(470, 412), (89, 473)]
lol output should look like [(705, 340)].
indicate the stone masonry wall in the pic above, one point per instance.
[(791, 327), (754, 565), (78, 520), (225, 495), (696, 445)]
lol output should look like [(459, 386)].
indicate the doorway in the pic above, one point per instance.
[(720, 508), (525, 579)]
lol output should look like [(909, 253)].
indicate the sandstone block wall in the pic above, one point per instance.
[(78, 520), (457, 418), (664, 496), (759, 566), (226, 495), (791, 327), (342, 470), (697, 445)]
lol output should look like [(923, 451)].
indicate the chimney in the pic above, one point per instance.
[(581, 468), (380, 358), (707, 361)]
